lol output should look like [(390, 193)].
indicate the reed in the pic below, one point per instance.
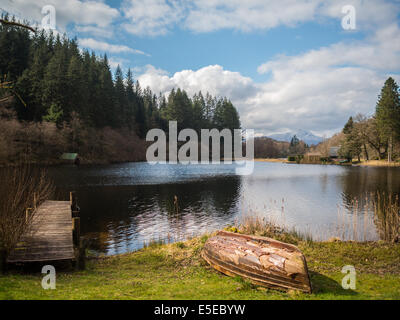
[(268, 227), (22, 190), (387, 216), (375, 215)]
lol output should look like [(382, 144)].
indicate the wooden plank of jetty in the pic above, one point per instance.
[(50, 237)]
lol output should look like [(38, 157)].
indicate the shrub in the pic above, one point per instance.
[(21, 188)]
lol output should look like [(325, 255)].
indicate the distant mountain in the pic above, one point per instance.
[(304, 135)]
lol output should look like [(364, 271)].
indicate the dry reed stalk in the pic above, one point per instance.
[(21, 188)]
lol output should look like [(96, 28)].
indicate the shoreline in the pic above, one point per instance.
[(54, 163), (363, 163)]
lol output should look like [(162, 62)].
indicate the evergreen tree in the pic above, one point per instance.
[(225, 115), (75, 86), (352, 144), (105, 115), (121, 105), (131, 99), (388, 114), (55, 79), (348, 126), (61, 84)]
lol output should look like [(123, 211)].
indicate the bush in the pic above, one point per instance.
[(325, 159), (299, 158), (21, 188), (45, 142)]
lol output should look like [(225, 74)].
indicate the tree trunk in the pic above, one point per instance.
[(390, 148), (3, 261), (366, 152)]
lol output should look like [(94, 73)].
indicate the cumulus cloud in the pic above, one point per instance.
[(213, 79), (106, 47)]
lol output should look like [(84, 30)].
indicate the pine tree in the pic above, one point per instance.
[(199, 112), (55, 80), (105, 111), (352, 144), (121, 105), (348, 126), (75, 86), (61, 84), (388, 114), (131, 100)]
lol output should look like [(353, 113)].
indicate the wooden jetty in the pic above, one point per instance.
[(54, 234)]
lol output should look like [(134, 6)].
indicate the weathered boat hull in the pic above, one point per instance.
[(264, 261)]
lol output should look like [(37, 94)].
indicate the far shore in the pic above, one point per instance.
[(272, 160), (363, 163), (378, 163)]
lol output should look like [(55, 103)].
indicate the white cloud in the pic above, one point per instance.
[(106, 47), (380, 51), (213, 79), (151, 17), (210, 15), (115, 62), (155, 17), (96, 31), (317, 90), (95, 13), (321, 88), (311, 100), (369, 14)]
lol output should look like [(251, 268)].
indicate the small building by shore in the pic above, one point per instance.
[(312, 157), (70, 158), (334, 152)]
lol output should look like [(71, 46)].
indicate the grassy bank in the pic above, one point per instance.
[(370, 163), (271, 160), (176, 271), (379, 163)]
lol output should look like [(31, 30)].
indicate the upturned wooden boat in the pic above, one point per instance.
[(263, 261)]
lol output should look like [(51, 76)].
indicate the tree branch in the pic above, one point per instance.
[(11, 23)]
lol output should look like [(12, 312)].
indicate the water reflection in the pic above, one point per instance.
[(125, 205), (120, 218)]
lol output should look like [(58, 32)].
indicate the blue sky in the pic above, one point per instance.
[(286, 64), (236, 51)]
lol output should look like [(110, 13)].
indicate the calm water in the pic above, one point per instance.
[(125, 205)]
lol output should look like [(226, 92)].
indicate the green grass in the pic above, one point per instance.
[(176, 271)]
